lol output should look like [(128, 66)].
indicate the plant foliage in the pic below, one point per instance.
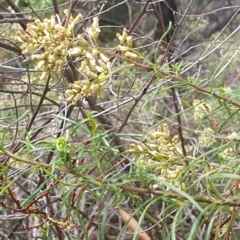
[(116, 139)]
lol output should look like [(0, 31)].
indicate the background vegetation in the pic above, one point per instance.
[(119, 119)]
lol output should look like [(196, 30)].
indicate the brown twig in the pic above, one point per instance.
[(144, 91), (9, 47), (132, 224), (139, 17), (45, 91), (17, 10)]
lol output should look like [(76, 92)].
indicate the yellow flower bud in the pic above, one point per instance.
[(82, 40), (76, 51), (70, 92), (95, 23), (40, 65), (95, 52), (51, 58), (94, 30), (90, 74), (125, 34), (103, 57), (129, 41), (69, 33), (104, 65), (99, 69), (18, 39), (24, 37), (122, 48), (66, 12), (71, 26), (38, 56), (53, 21), (131, 55), (76, 86), (60, 62), (78, 18), (120, 38), (89, 55), (32, 33), (102, 78), (47, 33)]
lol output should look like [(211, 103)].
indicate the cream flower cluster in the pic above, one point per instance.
[(161, 151), (96, 67), (206, 139), (200, 109), (51, 45), (126, 45), (230, 152)]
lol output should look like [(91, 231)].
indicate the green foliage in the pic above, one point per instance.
[(138, 146)]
